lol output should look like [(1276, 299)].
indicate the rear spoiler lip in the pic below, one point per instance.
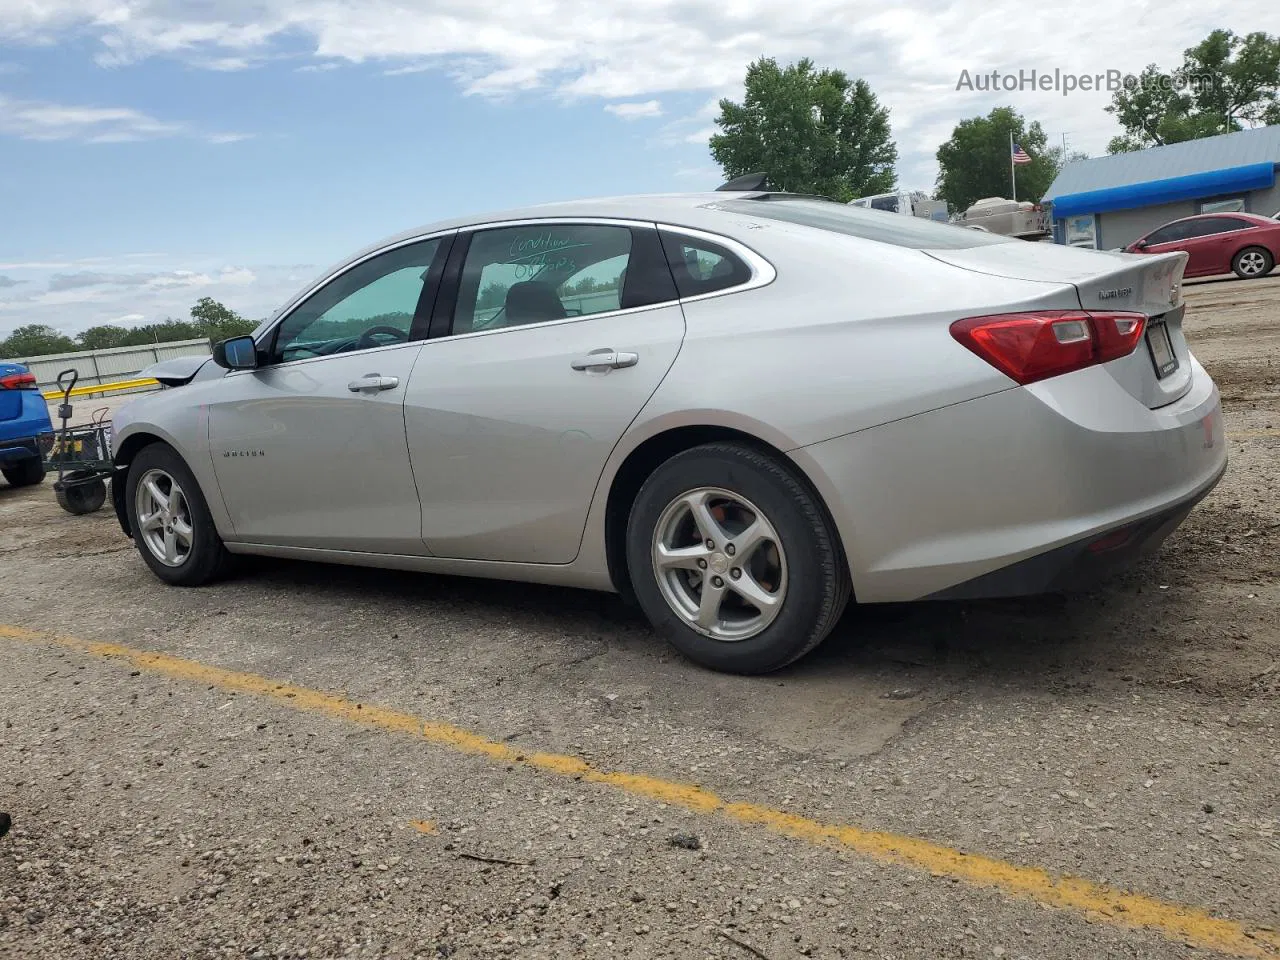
[(1109, 264)]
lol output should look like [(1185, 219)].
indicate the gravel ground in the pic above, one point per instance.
[(1127, 737)]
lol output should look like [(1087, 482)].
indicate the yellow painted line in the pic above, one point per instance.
[(423, 826), (1177, 922), (90, 390)]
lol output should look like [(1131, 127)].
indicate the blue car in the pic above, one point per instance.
[(26, 432)]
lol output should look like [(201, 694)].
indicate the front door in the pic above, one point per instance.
[(512, 416), (309, 449)]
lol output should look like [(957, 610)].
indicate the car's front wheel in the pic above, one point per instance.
[(733, 560), (170, 519), (1252, 262)]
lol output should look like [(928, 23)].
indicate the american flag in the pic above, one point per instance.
[(1020, 155)]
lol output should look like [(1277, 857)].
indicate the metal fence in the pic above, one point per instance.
[(107, 366)]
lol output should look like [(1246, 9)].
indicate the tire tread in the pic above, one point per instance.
[(1270, 260), (836, 588), (213, 560)]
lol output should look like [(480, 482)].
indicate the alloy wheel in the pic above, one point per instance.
[(719, 563), (164, 518), (1252, 263)]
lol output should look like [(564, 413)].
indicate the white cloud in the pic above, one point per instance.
[(40, 120), (98, 290), (635, 110), (911, 54), (230, 276)]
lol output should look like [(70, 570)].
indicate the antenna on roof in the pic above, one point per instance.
[(748, 181)]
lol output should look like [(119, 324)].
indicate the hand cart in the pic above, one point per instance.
[(81, 455)]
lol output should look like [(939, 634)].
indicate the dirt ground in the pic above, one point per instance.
[(1127, 737)]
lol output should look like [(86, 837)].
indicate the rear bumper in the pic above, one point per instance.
[(1001, 495), (1081, 565), (26, 448)]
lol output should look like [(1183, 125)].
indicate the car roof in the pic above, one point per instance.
[(1237, 214), (655, 206), (1253, 218)]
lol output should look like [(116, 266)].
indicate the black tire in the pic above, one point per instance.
[(818, 581), (208, 558), (1268, 261), (81, 498), (24, 473)]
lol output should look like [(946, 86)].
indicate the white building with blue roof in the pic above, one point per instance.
[(1108, 202)]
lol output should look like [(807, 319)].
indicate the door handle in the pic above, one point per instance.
[(373, 382), (605, 358)]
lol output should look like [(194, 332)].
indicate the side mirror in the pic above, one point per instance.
[(237, 353)]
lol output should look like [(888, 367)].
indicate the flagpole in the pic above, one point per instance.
[(1013, 171)]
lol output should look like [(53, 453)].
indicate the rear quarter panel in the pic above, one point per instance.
[(851, 334), (23, 414)]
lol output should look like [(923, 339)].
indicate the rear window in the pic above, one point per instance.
[(914, 232)]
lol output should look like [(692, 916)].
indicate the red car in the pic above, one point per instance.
[(1218, 243)]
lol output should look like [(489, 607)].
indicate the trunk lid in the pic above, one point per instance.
[(1159, 371)]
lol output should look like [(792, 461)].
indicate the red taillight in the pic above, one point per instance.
[(1028, 347), (18, 381)]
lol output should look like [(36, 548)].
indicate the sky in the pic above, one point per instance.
[(153, 152)]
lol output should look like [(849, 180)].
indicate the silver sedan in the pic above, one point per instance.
[(740, 409)]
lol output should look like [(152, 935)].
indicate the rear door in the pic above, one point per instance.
[(556, 334), (1233, 235), (309, 449), (1207, 244)]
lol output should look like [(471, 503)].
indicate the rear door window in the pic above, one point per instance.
[(541, 272)]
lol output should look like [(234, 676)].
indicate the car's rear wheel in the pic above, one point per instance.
[(24, 473), (1252, 262), (733, 559), (170, 519)]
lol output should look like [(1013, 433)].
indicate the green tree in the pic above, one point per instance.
[(812, 131), (1059, 157), (105, 337), (217, 322), (35, 339), (1225, 82), (975, 162), (493, 295)]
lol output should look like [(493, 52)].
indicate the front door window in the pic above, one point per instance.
[(374, 304)]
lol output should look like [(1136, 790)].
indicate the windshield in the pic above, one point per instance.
[(914, 232)]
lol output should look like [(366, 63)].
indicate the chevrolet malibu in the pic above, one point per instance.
[(740, 409)]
